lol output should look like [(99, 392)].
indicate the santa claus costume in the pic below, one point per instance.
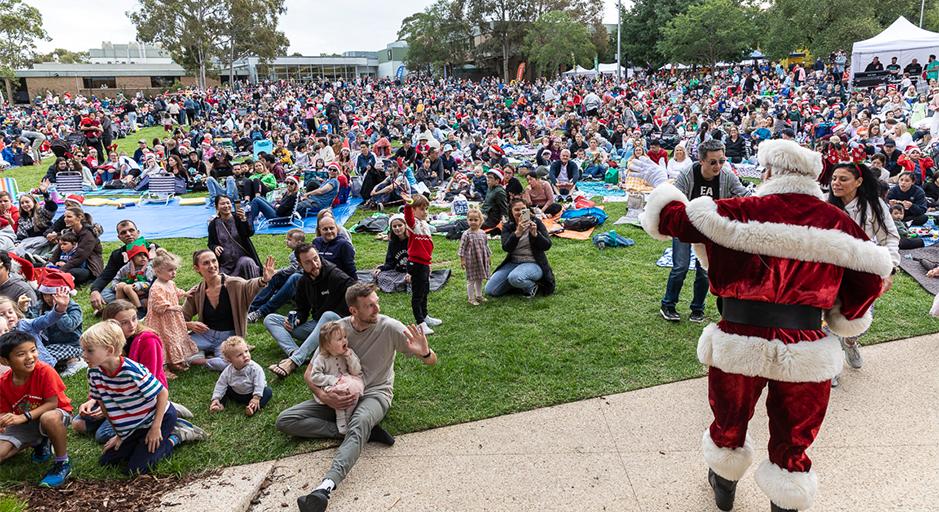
[(779, 262)]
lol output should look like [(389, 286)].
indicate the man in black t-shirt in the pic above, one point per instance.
[(893, 68), (875, 65), (914, 69)]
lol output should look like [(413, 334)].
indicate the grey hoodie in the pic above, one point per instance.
[(15, 287)]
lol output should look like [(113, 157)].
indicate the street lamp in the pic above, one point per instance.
[(619, 27)]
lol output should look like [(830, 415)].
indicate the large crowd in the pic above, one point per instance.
[(507, 159)]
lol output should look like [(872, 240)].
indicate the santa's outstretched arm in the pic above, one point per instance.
[(664, 216)]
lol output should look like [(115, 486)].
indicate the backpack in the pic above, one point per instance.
[(582, 223)]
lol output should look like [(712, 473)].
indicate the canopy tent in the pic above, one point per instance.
[(669, 67), (902, 40), (605, 69)]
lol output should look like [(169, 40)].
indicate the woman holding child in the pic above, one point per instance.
[(87, 262)]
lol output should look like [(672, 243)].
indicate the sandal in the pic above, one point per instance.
[(279, 370)]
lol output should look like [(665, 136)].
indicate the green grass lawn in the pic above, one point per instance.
[(599, 334)]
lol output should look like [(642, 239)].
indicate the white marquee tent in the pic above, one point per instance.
[(605, 69), (902, 40)]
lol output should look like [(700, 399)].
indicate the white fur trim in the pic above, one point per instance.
[(787, 489), (660, 197), (790, 184), (805, 361), (788, 157), (844, 327), (701, 252), (728, 463), (803, 243)]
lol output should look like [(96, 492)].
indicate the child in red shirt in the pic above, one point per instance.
[(34, 409), (420, 252)]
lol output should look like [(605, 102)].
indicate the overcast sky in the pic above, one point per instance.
[(311, 27)]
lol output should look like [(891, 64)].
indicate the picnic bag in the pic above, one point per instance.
[(582, 223)]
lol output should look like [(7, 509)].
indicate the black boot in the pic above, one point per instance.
[(724, 491), (776, 508), (316, 501)]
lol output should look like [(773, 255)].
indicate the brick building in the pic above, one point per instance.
[(98, 79)]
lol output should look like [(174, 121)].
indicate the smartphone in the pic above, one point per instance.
[(525, 215)]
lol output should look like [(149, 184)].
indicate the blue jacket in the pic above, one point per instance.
[(67, 329), (339, 252), (914, 195), (38, 327)]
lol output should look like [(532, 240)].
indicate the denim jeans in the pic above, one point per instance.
[(597, 171), (132, 120), (309, 332), (681, 260), (211, 340), (216, 189), (521, 276), (277, 293), (259, 205)]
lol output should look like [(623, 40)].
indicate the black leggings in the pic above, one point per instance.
[(420, 288), (80, 275), (911, 243), (252, 188)]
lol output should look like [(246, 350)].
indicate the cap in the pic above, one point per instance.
[(540, 172)]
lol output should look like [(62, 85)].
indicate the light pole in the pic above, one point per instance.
[(922, 6), (619, 28)]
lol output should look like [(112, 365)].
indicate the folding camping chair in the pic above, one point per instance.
[(292, 220), (69, 182), (8, 185), (263, 146), (161, 190)]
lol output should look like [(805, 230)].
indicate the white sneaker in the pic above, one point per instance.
[(426, 330), (254, 316), (182, 411), (433, 322), (74, 367)]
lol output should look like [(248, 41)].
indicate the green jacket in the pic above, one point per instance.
[(495, 206)]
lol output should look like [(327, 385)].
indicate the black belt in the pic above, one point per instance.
[(767, 314)]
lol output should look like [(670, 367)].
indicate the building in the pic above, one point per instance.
[(391, 59), (130, 53), (348, 66), (98, 79)]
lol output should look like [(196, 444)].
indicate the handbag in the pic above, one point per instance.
[(115, 185)]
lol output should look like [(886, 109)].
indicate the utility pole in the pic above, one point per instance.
[(922, 6), (619, 28)]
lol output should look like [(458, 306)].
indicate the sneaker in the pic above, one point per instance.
[(57, 475), (182, 411), (187, 432), (380, 435), (835, 381), (532, 293), (426, 330), (432, 322), (42, 452), (669, 313), (255, 316), (316, 501), (78, 364), (696, 317), (852, 352)]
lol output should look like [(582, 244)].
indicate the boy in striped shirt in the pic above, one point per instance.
[(135, 402)]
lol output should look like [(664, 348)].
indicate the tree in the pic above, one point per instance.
[(188, 29), (707, 33), (63, 56), (642, 26), (822, 27), (439, 36), (504, 23), (20, 28), (554, 39), (251, 29)]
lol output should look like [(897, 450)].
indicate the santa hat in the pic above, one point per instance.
[(333, 166), (138, 246), (53, 279), (293, 179), (75, 198), (788, 157), (496, 149), (397, 216), (913, 147), (497, 173)]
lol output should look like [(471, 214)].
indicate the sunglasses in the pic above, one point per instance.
[(722, 161)]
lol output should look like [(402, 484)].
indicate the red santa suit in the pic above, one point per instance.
[(784, 252)]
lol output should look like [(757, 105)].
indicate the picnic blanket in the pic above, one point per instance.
[(599, 188), (158, 221), (438, 278), (911, 264), (666, 259), (556, 229)]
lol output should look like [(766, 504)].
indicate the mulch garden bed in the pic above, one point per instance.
[(135, 495)]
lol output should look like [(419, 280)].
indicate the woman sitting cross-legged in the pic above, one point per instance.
[(525, 268), (281, 208)]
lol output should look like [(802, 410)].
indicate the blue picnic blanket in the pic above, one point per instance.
[(175, 221), (599, 188)]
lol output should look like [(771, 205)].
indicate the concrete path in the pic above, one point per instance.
[(639, 451)]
